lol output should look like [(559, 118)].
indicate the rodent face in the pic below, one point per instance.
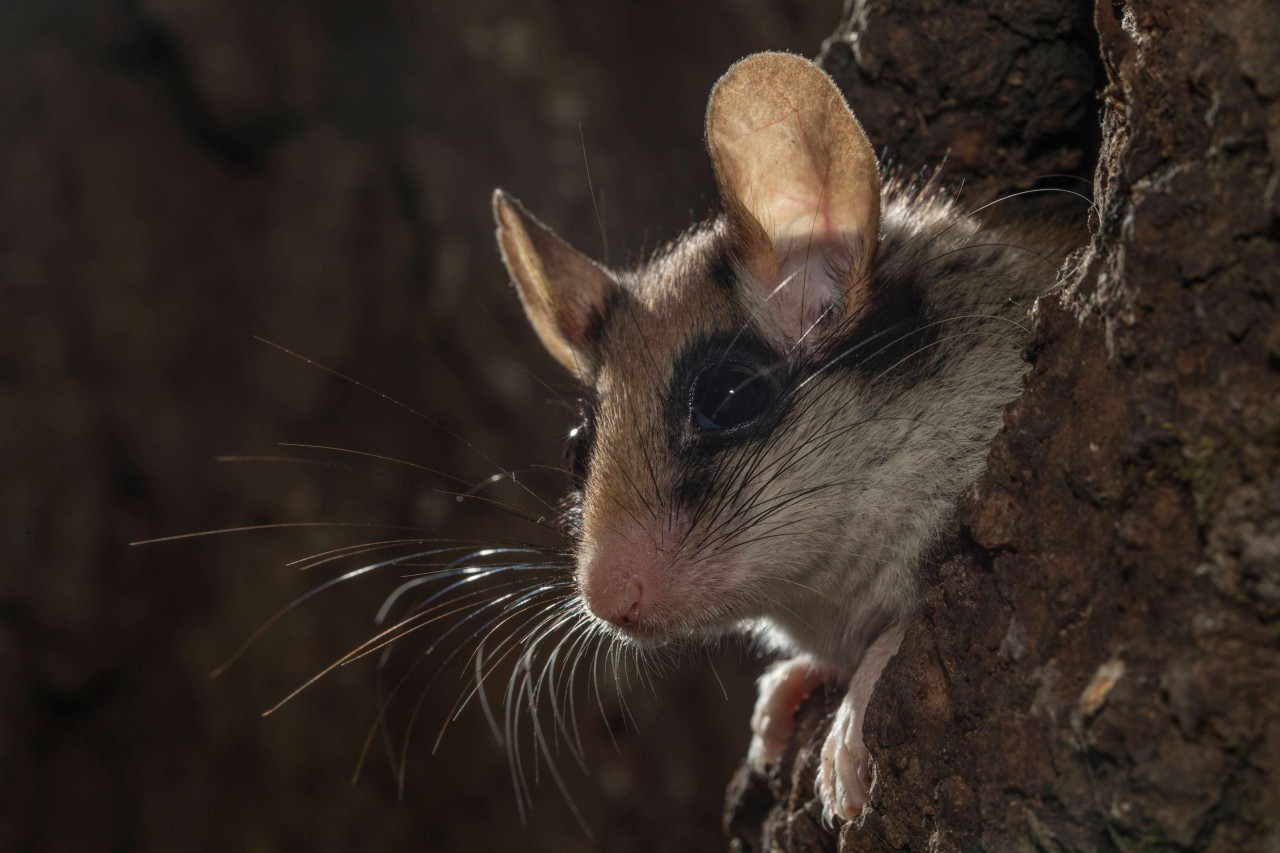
[(729, 474), (686, 401), (783, 406), (690, 502)]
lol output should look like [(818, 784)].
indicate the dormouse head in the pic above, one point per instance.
[(695, 460)]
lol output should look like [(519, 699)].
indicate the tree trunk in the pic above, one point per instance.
[(1096, 664)]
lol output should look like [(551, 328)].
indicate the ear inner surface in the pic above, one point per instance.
[(564, 292), (798, 175)]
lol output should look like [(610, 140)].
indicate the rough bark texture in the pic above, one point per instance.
[(1003, 93), (1097, 663)]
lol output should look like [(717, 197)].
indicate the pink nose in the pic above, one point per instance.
[(616, 603), (612, 584)]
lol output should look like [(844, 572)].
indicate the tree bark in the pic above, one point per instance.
[(1096, 664)]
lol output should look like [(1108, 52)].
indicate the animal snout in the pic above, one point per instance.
[(622, 609), (613, 587), (614, 599)]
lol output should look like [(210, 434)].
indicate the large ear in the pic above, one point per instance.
[(801, 188), (564, 292)]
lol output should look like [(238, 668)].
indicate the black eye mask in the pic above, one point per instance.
[(580, 442), (724, 390), (729, 395)]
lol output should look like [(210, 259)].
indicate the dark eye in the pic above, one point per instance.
[(577, 450), (728, 395)]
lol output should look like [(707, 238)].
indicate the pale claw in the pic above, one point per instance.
[(844, 774)]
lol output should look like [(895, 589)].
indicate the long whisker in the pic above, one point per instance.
[(392, 400), (284, 525), (586, 165), (377, 456), (307, 596)]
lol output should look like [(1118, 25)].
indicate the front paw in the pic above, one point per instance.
[(844, 774), (782, 689)]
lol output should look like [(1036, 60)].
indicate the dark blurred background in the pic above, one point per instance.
[(177, 176)]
